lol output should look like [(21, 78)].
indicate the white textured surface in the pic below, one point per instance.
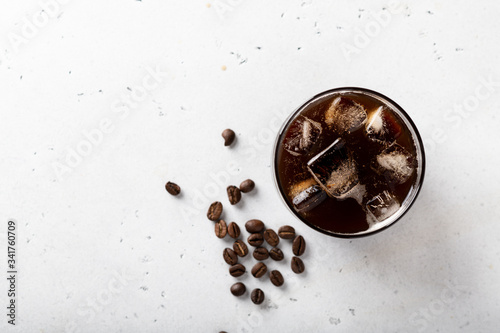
[(110, 214)]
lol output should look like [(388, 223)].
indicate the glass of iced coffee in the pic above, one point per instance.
[(349, 162)]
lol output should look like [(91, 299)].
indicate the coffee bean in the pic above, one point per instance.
[(259, 270), (230, 256), (233, 230), (271, 237), (276, 254), (299, 246), (234, 194), (221, 229), (238, 289), (257, 296), (237, 270), (286, 232), (276, 278), (254, 226), (247, 186), (172, 188), (214, 211), (228, 135), (240, 248), (255, 239), (297, 265), (260, 253)]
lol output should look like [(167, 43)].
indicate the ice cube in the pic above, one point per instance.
[(302, 136), (345, 115), (358, 193), (395, 163), (382, 206), (335, 170), (383, 126), (307, 195)]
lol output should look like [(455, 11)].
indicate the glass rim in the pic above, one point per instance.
[(412, 194)]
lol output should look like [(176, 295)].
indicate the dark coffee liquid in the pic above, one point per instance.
[(344, 215)]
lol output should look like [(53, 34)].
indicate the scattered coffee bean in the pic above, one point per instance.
[(172, 188), (255, 239), (253, 226), (238, 289), (228, 135), (230, 256), (240, 248), (260, 253), (271, 237), (286, 232), (214, 211), (233, 230), (247, 186), (297, 265), (257, 296), (299, 246), (234, 194), (276, 254), (237, 270), (259, 270), (276, 278), (221, 229)]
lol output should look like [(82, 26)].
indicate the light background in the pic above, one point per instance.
[(103, 248)]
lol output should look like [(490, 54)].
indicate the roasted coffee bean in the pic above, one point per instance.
[(237, 270), (271, 237), (276, 254), (253, 226), (228, 135), (299, 246), (286, 232), (297, 265), (233, 230), (221, 229), (230, 256), (214, 211), (259, 270), (276, 278), (247, 186), (255, 239), (260, 253), (172, 188), (238, 289), (240, 248), (234, 194), (257, 296)]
